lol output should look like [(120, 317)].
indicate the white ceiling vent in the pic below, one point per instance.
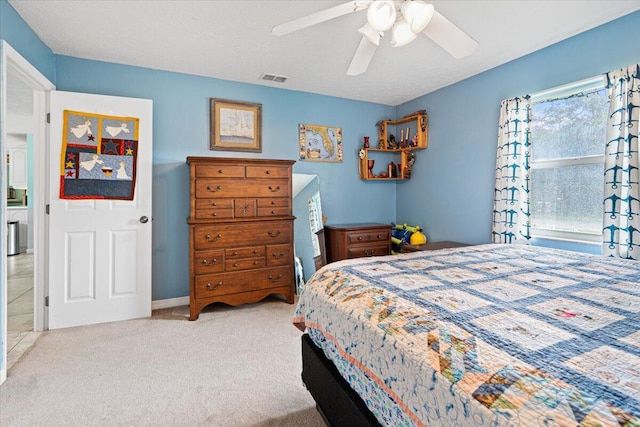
[(273, 78)]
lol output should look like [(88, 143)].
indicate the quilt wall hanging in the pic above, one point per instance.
[(99, 155)]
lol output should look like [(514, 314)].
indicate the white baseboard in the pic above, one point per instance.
[(169, 303)]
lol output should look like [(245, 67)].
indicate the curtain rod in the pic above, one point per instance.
[(594, 82)]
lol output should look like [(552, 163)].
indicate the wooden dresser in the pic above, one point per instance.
[(240, 231), (344, 241)]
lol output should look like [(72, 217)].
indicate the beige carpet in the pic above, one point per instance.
[(232, 367)]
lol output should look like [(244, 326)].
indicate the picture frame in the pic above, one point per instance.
[(235, 125), (320, 143)]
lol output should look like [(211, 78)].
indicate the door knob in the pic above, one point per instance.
[(144, 219)]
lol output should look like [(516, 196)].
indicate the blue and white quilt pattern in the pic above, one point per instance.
[(483, 335)]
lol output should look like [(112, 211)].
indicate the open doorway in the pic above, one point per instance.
[(18, 211), (19, 81)]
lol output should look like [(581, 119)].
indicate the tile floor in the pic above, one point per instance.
[(20, 334)]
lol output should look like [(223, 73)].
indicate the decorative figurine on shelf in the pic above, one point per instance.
[(392, 171), (361, 153), (392, 144), (411, 158), (366, 142), (370, 164)]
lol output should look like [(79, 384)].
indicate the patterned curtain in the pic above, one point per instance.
[(621, 227), (511, 195)]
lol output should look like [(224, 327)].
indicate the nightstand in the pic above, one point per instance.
[(345, 241)]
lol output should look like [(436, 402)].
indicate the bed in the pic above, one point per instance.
[(489, 335)]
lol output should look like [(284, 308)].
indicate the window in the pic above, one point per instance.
[(567, 162)]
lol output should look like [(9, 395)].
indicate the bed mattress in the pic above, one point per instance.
[(486, 335)]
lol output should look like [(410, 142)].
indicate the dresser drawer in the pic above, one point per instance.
[(214, 213), (244, 264), (208, 262), (241, 281), (368, 236), (273, 211), (267, 172), (371, 250), (250, 233), (214, 203), (219, 171), (213, 188), (275, 202), (248, 252), (279, 255), (214, 208)]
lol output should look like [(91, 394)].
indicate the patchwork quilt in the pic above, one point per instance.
[(490, 335)]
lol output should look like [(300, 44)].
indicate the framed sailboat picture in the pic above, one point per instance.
[(236, 125)]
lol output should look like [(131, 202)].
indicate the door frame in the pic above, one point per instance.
[(11, 59)]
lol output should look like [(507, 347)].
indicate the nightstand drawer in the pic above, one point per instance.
[(368, 236), (371, 250)]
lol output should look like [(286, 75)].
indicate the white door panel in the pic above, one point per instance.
[(99, 250)]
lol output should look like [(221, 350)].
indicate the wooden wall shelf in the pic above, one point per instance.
[(409, 133)]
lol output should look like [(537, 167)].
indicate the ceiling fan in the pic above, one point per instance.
[(405, 18)]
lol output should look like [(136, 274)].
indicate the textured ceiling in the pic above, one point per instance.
[(231, 40)]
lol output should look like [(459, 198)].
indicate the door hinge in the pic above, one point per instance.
[(46, 209), (48, 117), (46, 301)]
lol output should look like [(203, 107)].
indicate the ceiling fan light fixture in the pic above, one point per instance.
[(418, 14), (402, 33), (372, 35), (381, 15)]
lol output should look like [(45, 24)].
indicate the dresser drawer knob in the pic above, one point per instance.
[(213, 261), (273, 212), (272, 234), (267, 172), (255, 251), (213, 287), (235, 264), (212, 239), (275, 255), (275, 279), (215, 214), (359, 237), (273, 190), (255, 262), (379, 237), (219, 170), (214, 204), (214, 190), (273, 203), (235, 253)]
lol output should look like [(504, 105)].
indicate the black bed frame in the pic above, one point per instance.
[(338, 404)]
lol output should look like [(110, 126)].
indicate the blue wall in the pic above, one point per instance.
[(180, 129), (451, 189), (23, 39)]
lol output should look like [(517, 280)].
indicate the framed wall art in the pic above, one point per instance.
[(236, 125), (320, 143)]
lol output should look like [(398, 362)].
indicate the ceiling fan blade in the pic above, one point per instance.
[(318, 17), (451, 38), (362, 57)]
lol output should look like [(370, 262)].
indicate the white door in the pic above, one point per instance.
[(99, 250)]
